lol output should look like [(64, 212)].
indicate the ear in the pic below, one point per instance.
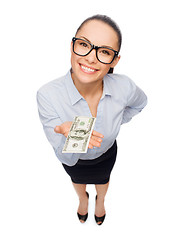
[(115, 62), (71, 47)]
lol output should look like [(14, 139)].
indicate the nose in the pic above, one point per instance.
[(91, 57)]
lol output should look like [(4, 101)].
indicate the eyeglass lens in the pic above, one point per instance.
[(82, 48)]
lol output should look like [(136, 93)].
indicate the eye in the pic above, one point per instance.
[(84, 44), (105, 52)]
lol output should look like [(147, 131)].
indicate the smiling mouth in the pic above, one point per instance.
[(87, 69)]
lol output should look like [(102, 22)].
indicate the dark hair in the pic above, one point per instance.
[(108, 21)]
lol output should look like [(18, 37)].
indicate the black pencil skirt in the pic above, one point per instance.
[(95, 171)]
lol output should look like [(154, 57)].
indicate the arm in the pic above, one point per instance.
[(56, 131), (137, 100), (50, 119)]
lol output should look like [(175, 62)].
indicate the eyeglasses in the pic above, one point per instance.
[(82, 47)]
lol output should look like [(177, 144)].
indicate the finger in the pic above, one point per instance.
[(90, 146), (96, 139), (94, 143), (97, 134)]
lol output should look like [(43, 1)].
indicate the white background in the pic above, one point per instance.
[(144, 198)]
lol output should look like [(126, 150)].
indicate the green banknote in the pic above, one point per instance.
[(79, 135)]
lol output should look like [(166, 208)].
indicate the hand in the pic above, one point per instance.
[(63, 128), (95, 140)]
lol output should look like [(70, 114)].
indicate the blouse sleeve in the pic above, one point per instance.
[(50, 119), (137, 100)]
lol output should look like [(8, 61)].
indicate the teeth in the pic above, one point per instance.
[(87, 69)]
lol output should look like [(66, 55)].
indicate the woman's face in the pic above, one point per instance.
[(88, 69)]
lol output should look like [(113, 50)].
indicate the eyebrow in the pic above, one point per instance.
[(93, 44)]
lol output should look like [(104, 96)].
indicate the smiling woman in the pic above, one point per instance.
[(88, 90), (92, 34)]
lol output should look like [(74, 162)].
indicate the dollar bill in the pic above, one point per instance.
[(79, 135)]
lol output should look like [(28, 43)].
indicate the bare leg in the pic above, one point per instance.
[(81, 192), (101, 193)]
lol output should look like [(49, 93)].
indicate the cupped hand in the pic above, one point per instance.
[(95, 140)]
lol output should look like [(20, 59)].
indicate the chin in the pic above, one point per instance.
[(84, 76), (86, 79), (87, 73)]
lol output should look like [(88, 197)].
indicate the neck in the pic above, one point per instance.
[(89, 90)]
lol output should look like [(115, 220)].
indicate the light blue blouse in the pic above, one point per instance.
[(59, 101)]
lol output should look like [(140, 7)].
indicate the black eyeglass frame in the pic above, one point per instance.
[(94, 47)]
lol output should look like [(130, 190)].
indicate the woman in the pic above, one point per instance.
[(90, 89)]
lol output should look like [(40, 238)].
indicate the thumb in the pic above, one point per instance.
[(57, 129)]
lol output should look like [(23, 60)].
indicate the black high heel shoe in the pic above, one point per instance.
[(99, 219), (83, 217)]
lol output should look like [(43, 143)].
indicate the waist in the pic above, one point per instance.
[(103, 157)]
